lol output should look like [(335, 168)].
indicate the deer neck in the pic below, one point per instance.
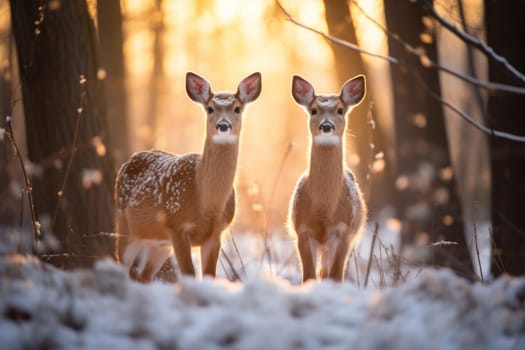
[(325, 177), (215, 174)]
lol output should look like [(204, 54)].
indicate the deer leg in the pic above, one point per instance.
[(158, 252), (306, 246), (182, 247), (210, 250), (328, 250), (338, 270)]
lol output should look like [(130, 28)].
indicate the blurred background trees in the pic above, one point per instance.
[(66, 126), (506, 35), (426, 198), (433, 179)]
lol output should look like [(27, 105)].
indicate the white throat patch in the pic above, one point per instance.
[(327, 140), (224, 138)]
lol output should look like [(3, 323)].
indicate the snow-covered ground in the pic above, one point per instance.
[(45, 308)]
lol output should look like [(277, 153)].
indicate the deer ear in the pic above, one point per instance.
[(353, 91), (249, 88), (197, 88), (302, 91)]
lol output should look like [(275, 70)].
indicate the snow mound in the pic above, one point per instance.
[(45, 308)]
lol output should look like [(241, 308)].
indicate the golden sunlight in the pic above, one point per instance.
[(224, 41)]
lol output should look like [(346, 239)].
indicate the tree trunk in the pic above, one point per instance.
[(8, 211), (349, 63), (427, 199), (111, 44), (156, 73), (56, 46), (506, 35)]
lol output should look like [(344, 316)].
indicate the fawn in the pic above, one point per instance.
[(168, 203), (327, 208)]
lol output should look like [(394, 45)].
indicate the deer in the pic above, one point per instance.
[(326, 209), (166, 204)]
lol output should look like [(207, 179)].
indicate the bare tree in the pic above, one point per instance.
[(348, 64), (426, 195), (506, 35), (73, 172), (111, 50), (8, 212)]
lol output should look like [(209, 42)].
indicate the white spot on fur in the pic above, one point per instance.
[(326, 101), (224, 138), (327, 140), (223, 100), (187, 226), (326, 253)]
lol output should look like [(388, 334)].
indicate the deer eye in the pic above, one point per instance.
[(210, 110), (340, 111), (237, 110), (313, 111)]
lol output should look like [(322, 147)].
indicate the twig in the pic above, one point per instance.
[(225, 271), (370, 256), (267, 250), (443, 243), (286, 262), (497, 260), (236, 276), (395, 262), (356, 268), (380, 269), (268, 208), (278, 177), (28, 189), (238, 253), (470, 40), (476, 243), (80, 109), (270, 202)]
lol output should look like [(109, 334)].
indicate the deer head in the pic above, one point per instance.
[(328, 112), (224, 110)]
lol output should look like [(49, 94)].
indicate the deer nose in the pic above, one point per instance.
[(326, 127), (223, 126)]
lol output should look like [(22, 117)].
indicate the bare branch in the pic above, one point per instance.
[(467, 78), (335, 39), (476, 243), (473, 122), (470, 40), (80, 109), (28, 189), (370, 257)]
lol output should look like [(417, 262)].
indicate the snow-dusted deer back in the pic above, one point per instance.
[(168, 203), (327, 209)]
